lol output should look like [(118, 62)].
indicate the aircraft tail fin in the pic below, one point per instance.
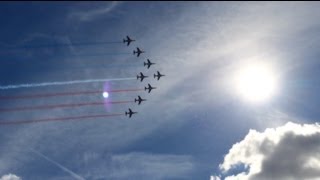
[(144, 63)]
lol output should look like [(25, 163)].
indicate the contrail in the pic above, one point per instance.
[(75, 118), (48, 95), (61, 83), (60, 106), (73, 174)]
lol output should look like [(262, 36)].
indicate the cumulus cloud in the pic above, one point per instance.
[(215, 178), (10, 177), (289, 152)]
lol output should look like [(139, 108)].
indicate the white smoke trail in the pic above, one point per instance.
[(61, 83), (74, 175)]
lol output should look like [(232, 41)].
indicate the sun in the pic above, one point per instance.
[(256, 82)]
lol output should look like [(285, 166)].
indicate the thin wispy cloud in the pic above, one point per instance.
[(89, 15), (137, 165)]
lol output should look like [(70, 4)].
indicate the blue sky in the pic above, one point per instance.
[(194, 125)]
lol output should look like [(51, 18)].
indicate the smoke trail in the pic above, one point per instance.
[(60, 106), (61, 83), (75, 118), (71, 69), (81, 68), (74, 175), (97, 54), (62, 45), (32, 96)]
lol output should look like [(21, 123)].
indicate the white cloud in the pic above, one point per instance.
[(215, 178), (10, 177), (289, 152)]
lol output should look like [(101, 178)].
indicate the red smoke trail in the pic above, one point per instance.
[(31, 96), (59, 106), (60, 119)]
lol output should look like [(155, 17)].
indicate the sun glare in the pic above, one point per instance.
[(256, 83)]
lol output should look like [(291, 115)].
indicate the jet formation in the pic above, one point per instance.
[(141, 76)]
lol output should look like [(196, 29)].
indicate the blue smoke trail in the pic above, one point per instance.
[(61, 45), (98, 54)]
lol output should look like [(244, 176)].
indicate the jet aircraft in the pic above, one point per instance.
[(148, 63), (138, 52), (139, 100), (130, 113), (158, 75), (128, 40), (141, 76), (149, 88)]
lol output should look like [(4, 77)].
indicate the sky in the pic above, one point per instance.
[(195, 125)]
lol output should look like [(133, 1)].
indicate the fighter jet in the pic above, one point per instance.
[(158, 75), (148, 63), (128, 40), (130, 113), (149, 88), (138, 52), (139, 100), (141, 76)]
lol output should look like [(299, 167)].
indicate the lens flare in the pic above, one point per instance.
[(105, 94)]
